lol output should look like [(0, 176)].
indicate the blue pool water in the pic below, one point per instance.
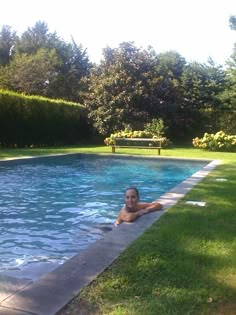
[(51, 208)]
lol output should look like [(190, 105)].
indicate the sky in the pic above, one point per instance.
[(197, 29)]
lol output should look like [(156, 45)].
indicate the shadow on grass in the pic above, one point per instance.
[(177, 272)]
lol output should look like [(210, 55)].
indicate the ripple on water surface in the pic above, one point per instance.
[(51, 208)]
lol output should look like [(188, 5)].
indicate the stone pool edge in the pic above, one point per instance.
[(109, 154), (54, 290)]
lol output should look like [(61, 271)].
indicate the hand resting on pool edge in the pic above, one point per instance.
[(133, 208)]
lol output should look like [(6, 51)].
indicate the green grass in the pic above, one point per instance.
[(25, 152), (184, 151), (184, 264)]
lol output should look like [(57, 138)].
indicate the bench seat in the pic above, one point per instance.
[(116, 145)]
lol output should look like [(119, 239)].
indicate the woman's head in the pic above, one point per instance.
[(134, 189), (131, 198)]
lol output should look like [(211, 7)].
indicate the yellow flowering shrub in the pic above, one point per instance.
[(127, 133), (219, 141)]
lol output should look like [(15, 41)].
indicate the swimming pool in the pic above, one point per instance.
[(51, 208)]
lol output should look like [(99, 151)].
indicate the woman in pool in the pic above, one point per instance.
[(133, 208)]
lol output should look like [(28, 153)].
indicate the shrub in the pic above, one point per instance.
[(216, 142), (156, 127), (127, 133)]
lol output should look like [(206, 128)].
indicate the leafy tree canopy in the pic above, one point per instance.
[(33, 74), (8, 39), (63, 72)]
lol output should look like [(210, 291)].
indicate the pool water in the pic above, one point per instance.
[(51, 208)]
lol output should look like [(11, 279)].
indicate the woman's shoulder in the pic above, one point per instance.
[(142, 205)]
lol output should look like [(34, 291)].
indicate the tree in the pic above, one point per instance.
[(133, 86), (74, 63), (65, 69), (202, 84), (37, 37), (72, 71), (31, 74), (165, 96), (227, 112), (118, 88), (8, 39)]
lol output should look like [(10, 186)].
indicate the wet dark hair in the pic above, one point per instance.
[(133, 188)]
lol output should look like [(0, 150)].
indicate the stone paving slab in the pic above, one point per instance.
[(33, 271), (11, 311), (10, 285)]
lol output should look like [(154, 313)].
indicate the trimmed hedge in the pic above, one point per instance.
[(35, 120)]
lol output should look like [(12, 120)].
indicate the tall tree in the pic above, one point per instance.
[(8, 39), (202, 84), (37, 37), (118, 88), (65, 69), (72, 70), (132, 86), (227, 112), (165, 94), (31, 74)]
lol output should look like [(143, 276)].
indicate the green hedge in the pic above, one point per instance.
[(34, 120)]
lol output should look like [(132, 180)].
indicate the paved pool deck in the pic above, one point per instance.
[(53, 287)]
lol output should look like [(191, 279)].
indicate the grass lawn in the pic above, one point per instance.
[(183, 151), (184, 264)]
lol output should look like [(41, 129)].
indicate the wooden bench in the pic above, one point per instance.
[(149, 140)]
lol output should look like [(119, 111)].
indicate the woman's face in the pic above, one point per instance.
[(131, 199)]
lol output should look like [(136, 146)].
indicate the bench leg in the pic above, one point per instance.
[(113, 149), (159, 151)]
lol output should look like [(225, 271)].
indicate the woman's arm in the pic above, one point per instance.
[(127, 216), (119, 219), (143, 208), (146, 207)]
